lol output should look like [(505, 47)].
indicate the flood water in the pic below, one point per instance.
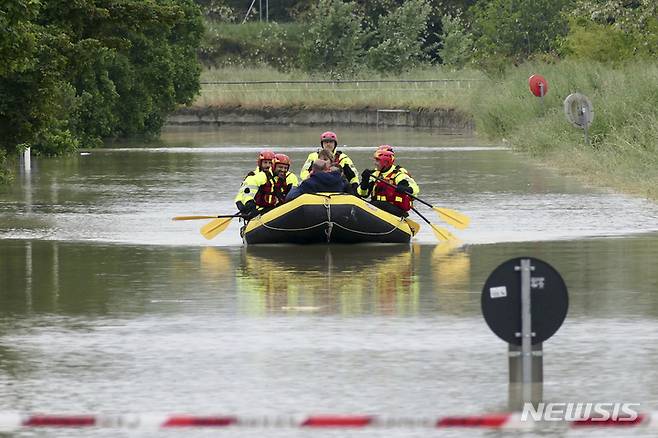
[(108, 306)]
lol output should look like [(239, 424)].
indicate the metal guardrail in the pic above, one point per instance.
[(338, 82), (340, 86)]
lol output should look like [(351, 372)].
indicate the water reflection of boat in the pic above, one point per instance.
[(328, 218), (331, 279), (451, 269)]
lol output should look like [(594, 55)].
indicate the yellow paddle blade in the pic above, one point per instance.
[(415, 226), (442, 233), (213, 228), (452, 217), (191, 218)]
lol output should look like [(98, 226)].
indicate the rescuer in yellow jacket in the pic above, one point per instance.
[(284, 179), (256, 194), (391, 194), (329, 142)]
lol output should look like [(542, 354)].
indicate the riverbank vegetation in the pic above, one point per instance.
[(74, 73)]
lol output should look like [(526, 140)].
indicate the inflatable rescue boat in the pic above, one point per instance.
[(328, 218)]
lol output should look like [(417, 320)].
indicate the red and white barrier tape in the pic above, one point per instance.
[(10, 421)]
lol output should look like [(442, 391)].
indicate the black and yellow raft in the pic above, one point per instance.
[(328, 218)]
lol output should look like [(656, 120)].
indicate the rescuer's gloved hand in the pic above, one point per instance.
[(250, 210), (365, 179), (403, 187)]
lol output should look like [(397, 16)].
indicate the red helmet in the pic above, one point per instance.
[(329, 136), (265, 155), (281, 158), (385, 157), (386, 147)]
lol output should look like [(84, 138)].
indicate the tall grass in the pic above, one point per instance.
[(622, 152), (416, 95)]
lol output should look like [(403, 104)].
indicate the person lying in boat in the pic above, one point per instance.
[(329, 142), (256, 194), (321, 179), (389, 185), (284, 180)]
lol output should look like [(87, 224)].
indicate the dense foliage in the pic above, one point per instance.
[(75, 72), (338, 37)]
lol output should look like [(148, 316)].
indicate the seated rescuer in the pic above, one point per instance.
[(321, 179), (284, 180), (329, 142), (256, 194), (395, 200)]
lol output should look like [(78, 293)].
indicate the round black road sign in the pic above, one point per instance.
[(501, 300)]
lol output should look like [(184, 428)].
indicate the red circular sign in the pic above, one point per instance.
[(538, 85)]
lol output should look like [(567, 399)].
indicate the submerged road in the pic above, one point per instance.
[(106, 305)]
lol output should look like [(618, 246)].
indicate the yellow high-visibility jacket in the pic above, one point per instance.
[(395, 174), (252, 184)]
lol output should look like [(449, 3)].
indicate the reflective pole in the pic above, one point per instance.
[(584, 121), (27, 160), (526, 330), (525, 362)]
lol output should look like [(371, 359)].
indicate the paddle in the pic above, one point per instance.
[(213, 228), (413, 225), (440, 233), (191, 218), (451, 217)]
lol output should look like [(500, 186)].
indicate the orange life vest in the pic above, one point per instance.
[(281, 189), (384, 192)]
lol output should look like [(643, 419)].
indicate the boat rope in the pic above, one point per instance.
[(269, 227), (383, 233), (330, 227)]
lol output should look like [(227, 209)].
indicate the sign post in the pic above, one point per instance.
[(27, 161), (538, 87), (524, 302), (579, 112)]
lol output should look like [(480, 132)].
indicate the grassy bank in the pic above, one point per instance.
[(622, 154), (413, 95)]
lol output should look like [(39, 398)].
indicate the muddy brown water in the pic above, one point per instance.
[(106, 305)]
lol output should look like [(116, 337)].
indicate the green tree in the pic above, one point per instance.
[(35, 99), (131, 62), (333, 42), (399, 38), (76, 71), (515, 29), (613, 30), (457, 42)]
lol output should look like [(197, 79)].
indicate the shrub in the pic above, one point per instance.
[(333, 42), (399, 38), (457, 46)]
